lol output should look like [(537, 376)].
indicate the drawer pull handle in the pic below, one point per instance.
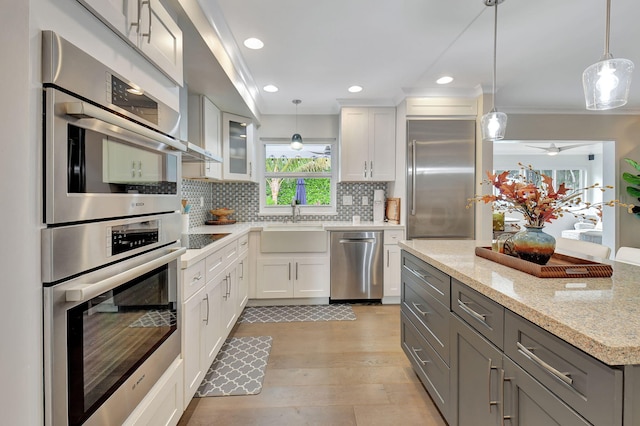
[(565, 377), (415, 352), (491, 402), (206, 321), (480, 317), (423, 313), (198, 277)]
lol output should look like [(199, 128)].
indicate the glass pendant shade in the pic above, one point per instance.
[(296, 139), (606, 83), (493, 124), (296, 142)]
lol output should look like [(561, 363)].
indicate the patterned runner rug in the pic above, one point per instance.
[(238, 369), (155, 318), (254, 314)]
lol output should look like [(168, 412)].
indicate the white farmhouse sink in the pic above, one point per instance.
[(270, 227), (293, 238)]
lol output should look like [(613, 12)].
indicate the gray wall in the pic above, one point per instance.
[(624, 130)]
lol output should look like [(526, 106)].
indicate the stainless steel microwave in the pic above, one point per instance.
[(108, 145)]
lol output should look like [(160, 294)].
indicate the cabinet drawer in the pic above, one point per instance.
[(220, 259), (481, 313), (193, 279), (393, 236), (429, 316), (436, 282), (432, 371), (243, 244), (590, 387)]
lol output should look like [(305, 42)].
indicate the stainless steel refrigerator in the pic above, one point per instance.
[(440, 178)]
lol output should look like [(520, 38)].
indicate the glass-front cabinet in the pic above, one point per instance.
[(237, 148)]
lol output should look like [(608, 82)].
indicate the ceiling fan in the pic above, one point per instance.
[(326, 152), (554, 150)]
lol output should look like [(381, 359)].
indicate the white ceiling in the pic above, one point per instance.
[(314, 50)]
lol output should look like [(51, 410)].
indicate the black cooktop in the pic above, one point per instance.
[(198, 241)]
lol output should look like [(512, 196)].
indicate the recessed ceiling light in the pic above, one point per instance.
[(254, 43), (355, 89), (444, 80), (270, 88)]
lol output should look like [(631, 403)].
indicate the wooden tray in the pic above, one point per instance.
[(220, 222), (559, 266)]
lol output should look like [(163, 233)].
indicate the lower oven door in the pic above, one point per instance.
[(109, 336)]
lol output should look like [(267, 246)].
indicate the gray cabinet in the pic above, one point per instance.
[(590, 387), (430, 368), (425, 327), (484, 365), (476, 376), (490, 389), (527, 402)]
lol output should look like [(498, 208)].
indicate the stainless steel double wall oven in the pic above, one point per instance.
[(111, 242)]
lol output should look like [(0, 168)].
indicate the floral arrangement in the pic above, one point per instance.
[(539, 203)]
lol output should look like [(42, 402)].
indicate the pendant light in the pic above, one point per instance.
[(296, 139), (606, 83), (494, 123)]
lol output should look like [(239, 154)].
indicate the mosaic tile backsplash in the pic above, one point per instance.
[(244, 198)]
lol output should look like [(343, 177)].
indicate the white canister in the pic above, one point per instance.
[(185, 223)]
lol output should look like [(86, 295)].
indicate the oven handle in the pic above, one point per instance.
[(84, 292), (86, 110)]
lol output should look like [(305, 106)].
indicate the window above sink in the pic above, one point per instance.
[(308, 175)]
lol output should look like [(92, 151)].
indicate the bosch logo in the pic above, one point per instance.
[(137, 204)]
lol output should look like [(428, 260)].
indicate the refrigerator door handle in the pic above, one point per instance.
[(413, 178)]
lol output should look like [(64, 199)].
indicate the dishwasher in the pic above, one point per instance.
[(356, 265)]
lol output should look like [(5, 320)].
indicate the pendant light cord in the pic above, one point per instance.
[(495, 48), (607, 30)]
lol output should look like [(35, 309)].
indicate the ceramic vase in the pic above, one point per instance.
[(533, 245)]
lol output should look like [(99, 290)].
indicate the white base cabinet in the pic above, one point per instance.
[(210, 309), (392, 265), (293, 277), (202, 333)]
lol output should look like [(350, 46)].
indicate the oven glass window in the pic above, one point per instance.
[(111, 335), (100, 164)]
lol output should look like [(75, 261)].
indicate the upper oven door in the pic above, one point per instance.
[(99, 165)]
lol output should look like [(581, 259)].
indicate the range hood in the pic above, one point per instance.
[(196, 153)]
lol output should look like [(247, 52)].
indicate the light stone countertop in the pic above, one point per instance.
[(238, 229), (601, 316)]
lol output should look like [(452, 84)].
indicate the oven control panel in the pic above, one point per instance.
[(132, 236)]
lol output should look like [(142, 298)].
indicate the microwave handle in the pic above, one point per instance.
[(85, 110), (85, 292)]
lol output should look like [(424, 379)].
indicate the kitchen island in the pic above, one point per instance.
[(532, 323)]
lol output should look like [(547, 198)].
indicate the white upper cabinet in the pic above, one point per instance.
[(367, 144), (237, 148), (204, 130), (147, 26)]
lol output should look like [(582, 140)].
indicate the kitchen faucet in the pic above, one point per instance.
[(294, 207)]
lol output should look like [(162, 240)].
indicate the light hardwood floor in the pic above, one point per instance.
[(328, 373)]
